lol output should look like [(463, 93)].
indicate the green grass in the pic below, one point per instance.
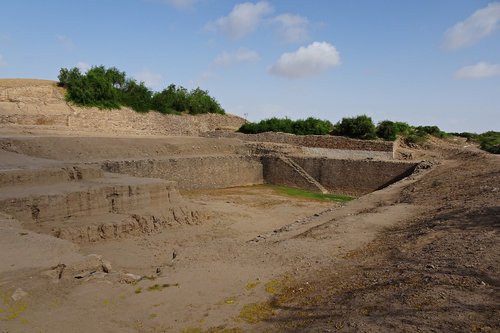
[(295, 192)]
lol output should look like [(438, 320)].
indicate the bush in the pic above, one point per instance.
[(389, 130), (171, 100), (360, 127), (136, 95), (200, 102), (431, 130), (490, 142), (110, 89), (309, 126)]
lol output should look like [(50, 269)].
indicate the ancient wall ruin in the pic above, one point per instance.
[(195, 172), (355, 177), (314, 141)]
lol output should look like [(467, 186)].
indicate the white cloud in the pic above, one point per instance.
[(150, 79), (66, 42), (477, 26), (292, 28), (83, 66), (306, 61), (242, 20), (3, 63), (477, 71), (226, 59)]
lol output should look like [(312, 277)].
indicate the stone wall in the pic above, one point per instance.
[(195, 172), (315, 141), (278, 172), (354, 177)]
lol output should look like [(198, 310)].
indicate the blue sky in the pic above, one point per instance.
[(420, 61)]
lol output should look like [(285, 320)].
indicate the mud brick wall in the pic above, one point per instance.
[(195, 172), (354, 177), (316, 141)]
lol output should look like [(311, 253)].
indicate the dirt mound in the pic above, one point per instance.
[(38, 106)]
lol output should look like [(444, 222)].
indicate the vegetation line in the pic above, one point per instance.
[(109, 88), (362, 127), (294, 192)]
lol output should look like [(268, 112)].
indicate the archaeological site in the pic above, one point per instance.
[(119, 221)]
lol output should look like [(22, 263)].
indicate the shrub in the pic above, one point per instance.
[(416, 138), (360, 127), (136, 95), (200, 102), (171, 100), (431, 130), (490, 142), (309, 126), (467, 135), (110, 88), (389, 130)]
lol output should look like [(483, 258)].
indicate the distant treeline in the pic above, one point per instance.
[(363, 127), (110, 88)]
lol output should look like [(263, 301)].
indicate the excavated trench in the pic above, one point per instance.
[(71, 192)]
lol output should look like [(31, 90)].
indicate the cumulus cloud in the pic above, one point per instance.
[(149, 78), (292, 28), (226, 59), (482, 23), (83, 66), (477, 71), (306, 61), (66, 42), (242, 20)]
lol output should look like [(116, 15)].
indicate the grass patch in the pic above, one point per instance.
[(9, 309), (256, 312), (252, 285), (295, 192), (229, 300), (274, 286)]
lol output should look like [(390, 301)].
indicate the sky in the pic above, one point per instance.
[(425, 62)]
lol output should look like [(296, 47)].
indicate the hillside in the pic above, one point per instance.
[(38, 106)]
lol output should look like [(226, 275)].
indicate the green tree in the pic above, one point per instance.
[(137, 96), (389, 130), (201, 102), (308, 126), (359, 127)]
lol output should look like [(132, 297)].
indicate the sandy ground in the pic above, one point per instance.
[(420, 255)]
